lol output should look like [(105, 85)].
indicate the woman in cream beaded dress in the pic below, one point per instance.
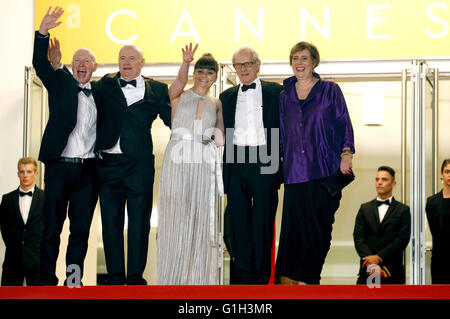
[(190, 179)]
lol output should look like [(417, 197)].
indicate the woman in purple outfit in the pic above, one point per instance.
[(317, 142)]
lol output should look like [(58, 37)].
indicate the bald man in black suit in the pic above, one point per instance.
[(67, 150), (128, 103)]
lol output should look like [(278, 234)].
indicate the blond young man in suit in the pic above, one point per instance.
[(21, 223)]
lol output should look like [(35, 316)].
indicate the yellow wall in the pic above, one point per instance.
[(341, 29)]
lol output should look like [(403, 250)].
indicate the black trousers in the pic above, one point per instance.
[(70, 189), (16, 271), (439, 269), (306, 228), (252, 204), (125, 181), (17, 278), (397, 275)]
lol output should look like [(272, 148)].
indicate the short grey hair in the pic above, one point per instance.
[(94, 58), (253, 53), (134, 46)]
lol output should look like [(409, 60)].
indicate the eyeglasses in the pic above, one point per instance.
[(79, 61), (241, 65)]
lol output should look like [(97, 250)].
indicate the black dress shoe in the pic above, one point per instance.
[(115, 280), (136, 281), (48, 282)]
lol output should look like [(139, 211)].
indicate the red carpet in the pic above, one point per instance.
[(354, 292)]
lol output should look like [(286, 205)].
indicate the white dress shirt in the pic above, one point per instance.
[(132, 95), (81, 141), (249, 126), (383, 208), (25, 204)]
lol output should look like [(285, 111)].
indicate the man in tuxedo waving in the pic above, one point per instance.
[(67, 150), (21, 223), (382, 231), (128, 103)]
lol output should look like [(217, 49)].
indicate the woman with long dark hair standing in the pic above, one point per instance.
[(438, 215)]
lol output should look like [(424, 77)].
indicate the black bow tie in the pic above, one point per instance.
[(124, 83), (30, 193), (381, 202), (87, 92), (246, 87)]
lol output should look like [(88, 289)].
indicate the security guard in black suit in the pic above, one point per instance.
[(21, 223)]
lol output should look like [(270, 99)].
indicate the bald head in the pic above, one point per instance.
[(131, 61), (84, 64), (87, 52)]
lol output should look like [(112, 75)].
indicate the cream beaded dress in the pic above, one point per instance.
[(187, 236)]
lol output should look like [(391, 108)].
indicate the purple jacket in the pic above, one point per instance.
[(314, 134)]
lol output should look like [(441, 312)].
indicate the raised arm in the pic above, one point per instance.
[(177, 87), (41, 63), (50, 20), (54, 53)]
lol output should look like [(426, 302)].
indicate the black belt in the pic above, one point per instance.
[(75, 160), (109, 155)]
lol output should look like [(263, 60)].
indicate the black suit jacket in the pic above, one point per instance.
[(439, 222), (62, 101), (271, 119), (131, 123), (387, 239), (22, 240), (438, 216)]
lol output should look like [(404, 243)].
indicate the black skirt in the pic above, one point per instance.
[(305, 238)]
